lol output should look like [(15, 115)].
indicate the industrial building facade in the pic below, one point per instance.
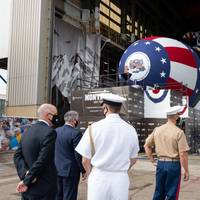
[(104, 28), (58, 47)]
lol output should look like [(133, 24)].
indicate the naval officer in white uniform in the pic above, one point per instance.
[(109, 151)]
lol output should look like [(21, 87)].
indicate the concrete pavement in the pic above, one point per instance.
[(142, 180)]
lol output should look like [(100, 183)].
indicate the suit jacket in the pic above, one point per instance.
[(36, 155), (68, 161)]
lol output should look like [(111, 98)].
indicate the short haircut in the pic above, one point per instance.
[(46, 108), (71, 115), (114, 109), (172, 116)]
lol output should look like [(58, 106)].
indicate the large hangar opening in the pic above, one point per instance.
[(90, 37)]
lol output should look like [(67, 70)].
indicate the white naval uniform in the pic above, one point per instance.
[(115, 143)]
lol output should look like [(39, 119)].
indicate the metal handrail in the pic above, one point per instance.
[(108, 81)]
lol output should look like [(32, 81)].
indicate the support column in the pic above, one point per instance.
[(29, 59), (123, 17), (133, 15)]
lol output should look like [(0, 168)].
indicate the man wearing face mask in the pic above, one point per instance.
[(171, 148), (115, 149), (34, 160), (68, 162)]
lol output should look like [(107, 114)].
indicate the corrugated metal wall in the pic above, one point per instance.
[(29, 52)]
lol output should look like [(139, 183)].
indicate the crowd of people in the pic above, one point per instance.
[(11, 131)]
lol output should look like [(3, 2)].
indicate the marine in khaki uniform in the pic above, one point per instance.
[(171, 148), (116, 148)]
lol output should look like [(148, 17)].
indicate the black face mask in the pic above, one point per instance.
[(76, 123), (178, 122), (56, 120)]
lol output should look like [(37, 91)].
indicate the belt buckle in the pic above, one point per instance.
[(168, 159)]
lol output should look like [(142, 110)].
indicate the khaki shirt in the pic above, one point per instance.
[(169, 140)]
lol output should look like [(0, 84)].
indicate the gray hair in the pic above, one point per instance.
[(46, 108), (71, 115)]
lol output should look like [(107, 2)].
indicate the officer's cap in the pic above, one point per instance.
[(112, 99), (174, 110)]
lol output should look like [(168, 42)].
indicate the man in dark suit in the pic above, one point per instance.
[(68, 161), (34, 160)]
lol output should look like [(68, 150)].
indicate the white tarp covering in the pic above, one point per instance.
[(76, 58)]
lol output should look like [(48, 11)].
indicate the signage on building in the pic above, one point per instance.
[(88, 102)]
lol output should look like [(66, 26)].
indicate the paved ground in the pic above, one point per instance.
[(141, 177)]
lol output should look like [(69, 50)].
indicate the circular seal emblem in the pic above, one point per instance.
[(137, 65)]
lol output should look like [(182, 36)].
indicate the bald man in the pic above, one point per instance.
[(34, 160)]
